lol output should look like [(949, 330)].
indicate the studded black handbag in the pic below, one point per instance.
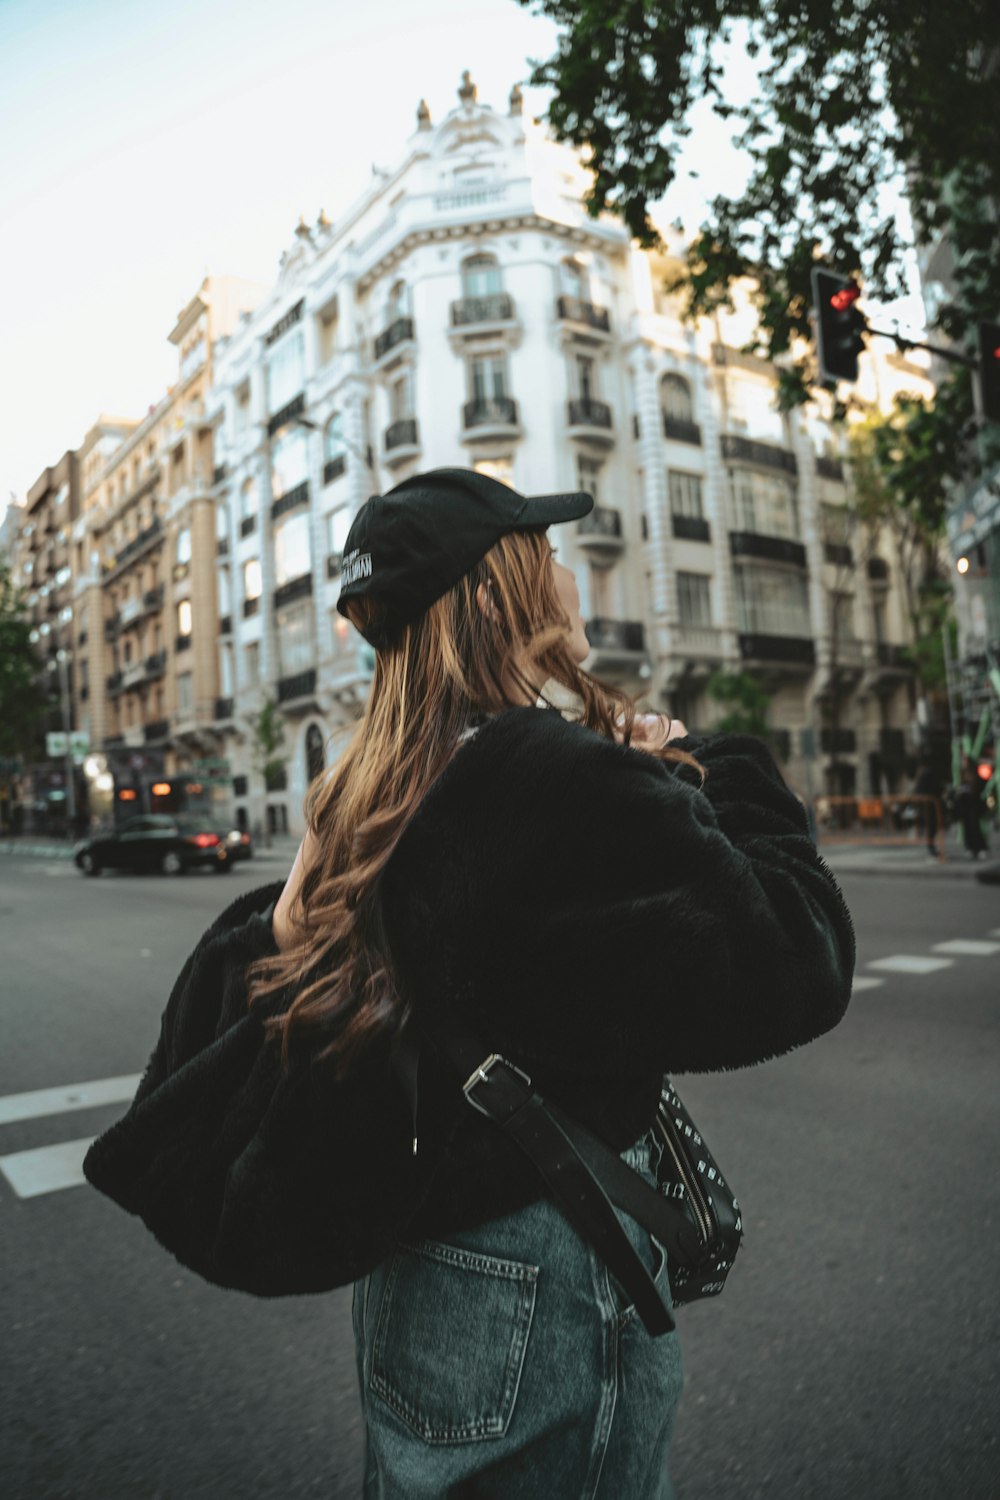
[(689, 1178)]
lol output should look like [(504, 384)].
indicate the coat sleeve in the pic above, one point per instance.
[(755, 939), (210, 1083), (596, 907)]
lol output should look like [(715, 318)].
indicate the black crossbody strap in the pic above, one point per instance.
[(568, 1158)]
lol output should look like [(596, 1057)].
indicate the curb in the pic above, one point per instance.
[(40, 851), (932, 870)]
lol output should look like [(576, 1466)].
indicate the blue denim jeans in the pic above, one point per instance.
[(508, 1362)]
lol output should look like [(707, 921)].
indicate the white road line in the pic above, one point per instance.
[(971, 947), (865, 984), (910, 963), (58, 1101), (46, 1169)]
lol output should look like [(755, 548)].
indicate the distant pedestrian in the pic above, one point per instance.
[(969, 805), (588, 902), (928, 784)]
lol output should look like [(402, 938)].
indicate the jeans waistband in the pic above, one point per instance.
[(644, 1154)]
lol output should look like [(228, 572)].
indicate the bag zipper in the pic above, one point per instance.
[(696, 1198)]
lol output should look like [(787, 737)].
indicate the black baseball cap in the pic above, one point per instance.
[(408, 547)]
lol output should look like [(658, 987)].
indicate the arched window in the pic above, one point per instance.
[(481, 276), (184, 545), (314, 753), (397, 307), (675, 399), (334, 445)]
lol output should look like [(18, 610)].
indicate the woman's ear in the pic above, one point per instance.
[(484, 598)]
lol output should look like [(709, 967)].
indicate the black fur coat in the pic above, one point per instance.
[(599, 919)]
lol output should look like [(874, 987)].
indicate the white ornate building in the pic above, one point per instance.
[(467, 311)]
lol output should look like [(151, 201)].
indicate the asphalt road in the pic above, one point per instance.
[(854, 1353)]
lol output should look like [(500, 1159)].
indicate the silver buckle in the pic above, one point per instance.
[(481, 1074)]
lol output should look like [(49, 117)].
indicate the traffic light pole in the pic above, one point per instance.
[(903, 343)]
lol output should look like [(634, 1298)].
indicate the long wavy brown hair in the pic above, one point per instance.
[(443, 671)]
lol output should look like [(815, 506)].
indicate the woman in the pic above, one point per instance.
[(600, 900)]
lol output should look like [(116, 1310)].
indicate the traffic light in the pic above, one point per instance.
[(840, 324), (989, 370)]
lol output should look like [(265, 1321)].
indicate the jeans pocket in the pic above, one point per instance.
[(450, 1340)]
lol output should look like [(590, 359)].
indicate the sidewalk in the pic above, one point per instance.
[(896, 859)]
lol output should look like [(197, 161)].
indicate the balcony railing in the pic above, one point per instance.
[(248, 524), (225, 624), (681, 429), (897, 657), (288, 413), (251, 607), (153, 598), (223, 708), (838, 553), (333, 468), (616, 635), (492, 412), (114, 683), (691, 528), (396, 333), (298, 686), (222, 546), (298, 495), (830, 468), (845, 739), (219, 473), (576, 310), (159, 729), (797, 649), (295, 588), (745, 450), (112, 627), (588, 413), (496, 307), (602, 521), (182, 643), (152, 534), (156, 664), (878, 569), (773, 548), (600, 533), (401, 434)]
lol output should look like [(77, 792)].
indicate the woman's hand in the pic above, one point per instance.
[(653, 731)]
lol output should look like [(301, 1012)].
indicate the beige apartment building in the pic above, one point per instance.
[(144, 559)]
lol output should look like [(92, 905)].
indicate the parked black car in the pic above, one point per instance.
[(156, 841)]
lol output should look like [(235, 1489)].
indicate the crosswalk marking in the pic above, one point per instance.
[(70, 1096), (972, 947), (910, 963), (865, 984), (46, 1169)]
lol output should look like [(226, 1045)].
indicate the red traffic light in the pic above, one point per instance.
[(845, 298)]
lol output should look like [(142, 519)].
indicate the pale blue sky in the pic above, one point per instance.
[(143, 145)]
